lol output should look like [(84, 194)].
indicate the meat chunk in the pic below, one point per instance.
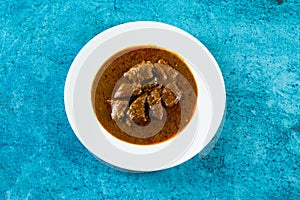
[(128, 90), (156, 111), (137, 112), (171, 94), (174, 88), (151, 84), (168, 97), (140, 72), (150, 88), (171, 73), (164, 71), (118, 109), (154, 96), (160, 73), (154, 102)]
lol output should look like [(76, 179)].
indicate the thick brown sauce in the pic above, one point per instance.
[(113, 69)]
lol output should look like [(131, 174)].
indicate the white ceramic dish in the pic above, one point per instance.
[(203, 126)]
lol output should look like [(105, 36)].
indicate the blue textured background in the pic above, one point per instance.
[(256, 44)]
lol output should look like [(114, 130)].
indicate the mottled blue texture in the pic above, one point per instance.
[(256, 44)]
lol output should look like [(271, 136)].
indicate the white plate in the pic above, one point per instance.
[(198, 133)]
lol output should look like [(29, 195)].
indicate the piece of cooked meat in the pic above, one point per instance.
[(155, 96), (128, 90), (118, 109), (159, 72), (140, 72), (171, 94), (174, 88), (154, 102), (149, 85), (156, 111), (164, 71), (137, 112), (171, 73), (168, 97)]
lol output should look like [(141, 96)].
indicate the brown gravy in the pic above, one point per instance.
[(160, 105)]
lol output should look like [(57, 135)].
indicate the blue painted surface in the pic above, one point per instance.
[(256, 44)]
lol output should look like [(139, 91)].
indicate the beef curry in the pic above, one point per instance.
[(144, 95)]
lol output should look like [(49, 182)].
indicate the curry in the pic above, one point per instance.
[(144, 95)]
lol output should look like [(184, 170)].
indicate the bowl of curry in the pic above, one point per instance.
[(141, 96), (144, 95)]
